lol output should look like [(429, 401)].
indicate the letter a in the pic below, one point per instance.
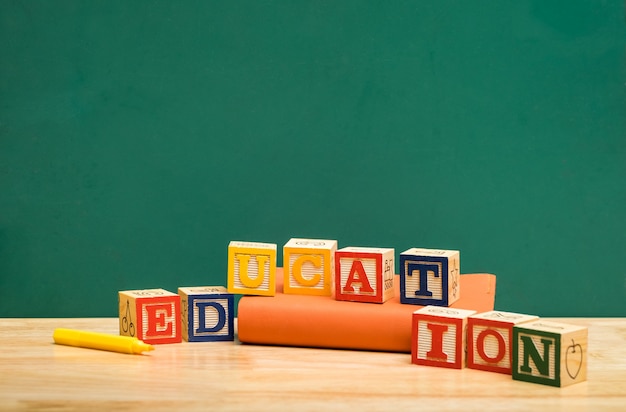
[(357, 275)]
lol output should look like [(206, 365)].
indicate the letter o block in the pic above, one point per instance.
[(489, 337), (438, 337), (430, 277), (364, 274), (252, 268), (207, 313), (309, 266), (150, 315)]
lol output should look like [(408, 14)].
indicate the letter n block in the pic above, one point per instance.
[(150, 315), (207, 313), (438, 337), (550, 353), (489, 340), (252, 268), (364, 274), (430, 277), (309, 266)]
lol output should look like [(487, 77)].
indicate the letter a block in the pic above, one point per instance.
[(489, 340), (309, 266), (430, 277), (207, 313), (364, 274), (252, 268), (150, 315), (550, 353), (438, 337)]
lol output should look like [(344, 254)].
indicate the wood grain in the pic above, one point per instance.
[(35, 374)]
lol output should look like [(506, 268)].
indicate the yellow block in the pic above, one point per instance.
[(252, 268)]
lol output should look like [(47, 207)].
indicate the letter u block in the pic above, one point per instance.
[(252, 268), (550, 353), (150, 315), (489, 338), (430, 277), (207, 313), (364, 274), (309, 266), (438, 337)]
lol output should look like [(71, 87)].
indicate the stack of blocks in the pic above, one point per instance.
[(523, 346)]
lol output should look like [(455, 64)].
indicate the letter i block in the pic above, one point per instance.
[(309, 266), (207, 313), (430, 277), (550, 353), (364, 274), (489, 338), (438, 337), (252, 268), (150, 315)]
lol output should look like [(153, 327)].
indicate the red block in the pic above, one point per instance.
[(438, 337), (489, 337), (364, 274), (151, 315)]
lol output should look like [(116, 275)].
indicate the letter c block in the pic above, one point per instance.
[(309, 266)]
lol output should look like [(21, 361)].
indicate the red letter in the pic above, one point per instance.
[(436, 344), (160, 319), (480, 346), (357, 275)]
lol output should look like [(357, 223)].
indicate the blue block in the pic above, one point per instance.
[(207, 314), (429, 277)]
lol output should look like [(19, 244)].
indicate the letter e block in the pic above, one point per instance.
[(252, 268), (430, 277), (438, 337), (364, 274), (309, 266), (549, 353), (150, 315), (207, 313), (489, 337)]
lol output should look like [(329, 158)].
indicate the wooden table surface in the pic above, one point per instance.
[(36, 374)]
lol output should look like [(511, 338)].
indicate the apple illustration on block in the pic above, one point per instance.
[(573, 359)]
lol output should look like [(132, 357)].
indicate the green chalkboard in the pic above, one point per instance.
[(138, 138)]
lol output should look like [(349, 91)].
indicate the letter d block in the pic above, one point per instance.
[(207, 313), (550, 353), (364, 274), (489, 337), (438, 337), (252, 268), (309, 266), (430, 277), (150, 315)]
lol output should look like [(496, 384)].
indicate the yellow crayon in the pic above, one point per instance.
[(102, 341)]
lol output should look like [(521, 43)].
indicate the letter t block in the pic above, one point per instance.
[(309, 266), (430, 277), (489, 337), (252, 268), (150, 315), (438, 337), (550, 353), (207, 313), (364, 274)]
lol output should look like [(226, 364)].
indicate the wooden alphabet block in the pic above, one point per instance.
[(438, 337), (207, 313), (550, 353), (252, 268), (364, 274), (309, 266), (489, 340), (430, 277), (151, 315)]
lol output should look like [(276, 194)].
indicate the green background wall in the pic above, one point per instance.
[(138, 138)]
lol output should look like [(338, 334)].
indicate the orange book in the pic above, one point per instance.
[(323, 322)]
